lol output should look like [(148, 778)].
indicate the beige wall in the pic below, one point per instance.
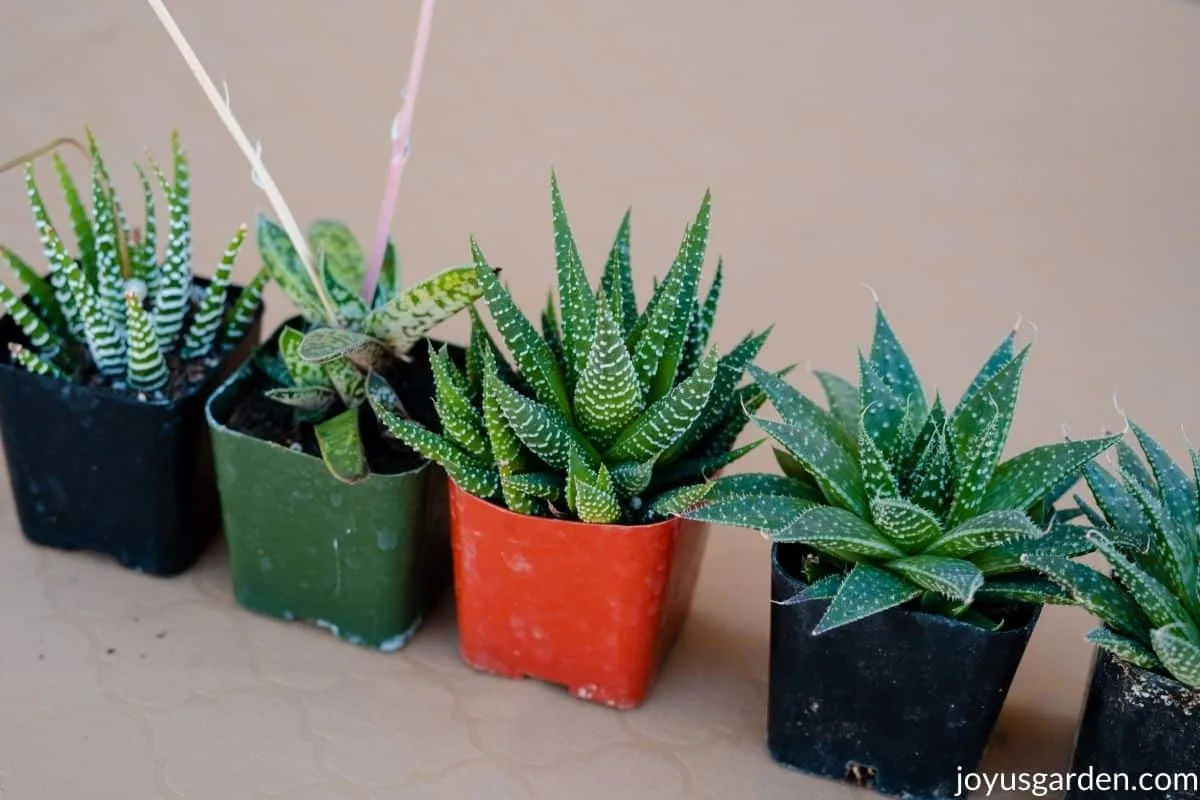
[(970, 161)]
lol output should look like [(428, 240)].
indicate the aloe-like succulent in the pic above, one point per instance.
[(117, 305), (607, 414), (322, 369), (1147, 527), (898, 500)]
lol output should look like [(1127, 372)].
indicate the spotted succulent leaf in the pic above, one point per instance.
[(461, 423), (688, 263), (283, 263), (668, 418), (617, 280), (1023, 479), (631, 478), (81, 223), (907, 525), (1062, 541), (1125, 648), (703, 315), (892, 364), (344, 258), (844, 406), (952, 578), (548, 486), (1094, 592), (1025, 591), (412, 313), (1157, 601), (607, 394), (878, 479), (766, 513), (1000, 358), (106, 272), (677, 501), (347, 379), (828, 528), (1174, 486), (1179, 654), (866, 591), (703, 468), (985, 531), (883, 411), (302, 372), (307, 398), (548, 434), (57, 256)]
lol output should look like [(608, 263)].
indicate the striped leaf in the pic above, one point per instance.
[(547, 433), (44, 340), (952, 578), (57, 256), (34, 363), (460, 421), (909, 526), (574, 292), (105, 344), (688, 264), (866, 591), (507, 451), (837, 531), (631, 478), (409, 316), (146, 370), (590, 494), (750, 484), (39, 293), (80, 221), (107, 275), (146, 264), (171, 301), (700, 330), (607, 395), (617, 280), (546, 486), (241, 315), (533, 356), (341, 447), (207, 319), (660, 425)]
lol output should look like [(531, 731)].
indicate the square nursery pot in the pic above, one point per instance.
[(96, 469), (594, 608), (1138, 728), (366, 561), (897, 702)]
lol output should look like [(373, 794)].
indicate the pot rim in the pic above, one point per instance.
[(559, 523), (1034, 609)]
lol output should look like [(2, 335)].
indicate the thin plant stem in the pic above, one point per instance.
[(262, 178), (401, 146)]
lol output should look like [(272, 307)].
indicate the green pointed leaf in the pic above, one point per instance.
[(323, 345), (40, 293), (688, 264), (632, 478), (80, 222), (542, 485), (1156, 601), (1020, 481), (206, 319), (341, 447), (908, 526), (827, 528), (146, 370), (34, 363), (750, 484), (40, 336), (877, 475), (574, 293), (1037, 591), (1064, 541), (865, 592), (892, 364), (103, 339), (1114, 499), (953, 578), (935, 421), (105, 272), (794, 470), (607, 395), (704, 467), (303, 373), (703, 315), (1179, 654), (412, 313), (344, 259), (308, 398), (287, 270), (823, 589), (844, 405), (617, 281), (933, 477), (768, 514), (1177, 491), (460, 420), (245, 308), (347, 380), (883, 411), (533, 356), (349, 307), (389, 278), (507, 451), (679, 501), (667, 419), (825, 459), (1096, 593), (987, 530), (145, 263), (1125, 649), (1130, 464), (551, 331), (547, 433), (1000, 358), (1174, 550)]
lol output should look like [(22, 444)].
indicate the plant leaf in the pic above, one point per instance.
[(823, 589), (341, 447), (1000, 358), (1114, 499), (933, 477), (617, 280), (844, 406), (830, 465), (344, 259), (1096, 593), (883, 411), (1180, 655), (202, 332), (749, 483), (702, 467), (1156, 601), (907, 525), (1176, 489), (323, 345), (987, 530), (632, 478), (1025, 591), (1019, 482), (873, 464), (1125, 649), (1066, 541), (892, 364), (574, 293), (411, 314), (703, 315), (866, 591), (547, 433), (688, 264), (542, 485), (608, 396), (303, 373), (953, 578), (460, 421), (763, 513), (827, 528), (346, 379), (308, 398), (283, 263), (40, 336), (677, 502), (146, 370)]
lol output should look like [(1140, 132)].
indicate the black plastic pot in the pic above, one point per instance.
[(93, 468), (897, 702), (1136, 724)]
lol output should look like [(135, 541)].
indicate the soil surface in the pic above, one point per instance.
[(258, 416)]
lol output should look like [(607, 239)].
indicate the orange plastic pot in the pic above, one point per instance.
[(594, 608)]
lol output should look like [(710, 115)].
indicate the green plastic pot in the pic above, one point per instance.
[(366, 561)]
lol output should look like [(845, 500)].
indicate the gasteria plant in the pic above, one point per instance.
[(117, 308), (321, 370), (1147, 528), (899, 500), (610, 415)]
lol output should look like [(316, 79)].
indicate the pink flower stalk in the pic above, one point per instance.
[(401, 141)]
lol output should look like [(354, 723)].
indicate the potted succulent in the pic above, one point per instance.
[(568, 467), (105, 368), (901, 606), (1142, 714), (326, 519)]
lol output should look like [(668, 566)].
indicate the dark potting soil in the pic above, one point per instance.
[(258, 416)]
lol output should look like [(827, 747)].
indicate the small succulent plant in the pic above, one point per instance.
[(322, 369), (117, 305), (610, 415), (1147, 527), (899, 500)]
